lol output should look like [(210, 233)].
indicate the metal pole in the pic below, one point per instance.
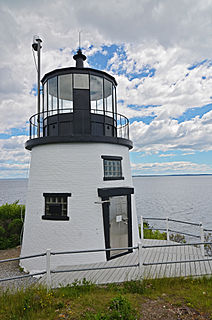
[(140, 260), (48, 269), (202, 238), (38, 52), (142, 227), (167, 229)]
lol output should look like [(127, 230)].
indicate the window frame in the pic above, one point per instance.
[(112, 158), (52, 216)]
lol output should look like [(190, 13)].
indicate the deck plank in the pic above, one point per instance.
[(149, 255)]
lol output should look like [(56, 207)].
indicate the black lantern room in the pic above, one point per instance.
[(79, 104)]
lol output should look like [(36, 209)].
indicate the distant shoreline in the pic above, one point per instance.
[(172, 175), (140, 176)]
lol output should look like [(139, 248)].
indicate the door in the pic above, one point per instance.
[(117, 219), (118, 224)]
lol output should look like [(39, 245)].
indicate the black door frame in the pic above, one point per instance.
[(105, 194)]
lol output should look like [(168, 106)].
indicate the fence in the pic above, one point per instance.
[(171, 234), (149, 253), (50, 253), (40, 123), (196, 254)]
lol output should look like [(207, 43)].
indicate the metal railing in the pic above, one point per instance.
[(38, 122), (204, 245), (141, 247), (50, 253), (168, 230)]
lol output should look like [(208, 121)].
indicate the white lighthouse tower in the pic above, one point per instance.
[(80, 192)]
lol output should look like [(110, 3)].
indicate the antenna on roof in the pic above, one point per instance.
[(80, 39), (36, 45), (79, 57)]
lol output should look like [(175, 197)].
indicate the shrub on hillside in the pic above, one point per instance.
[(11, 223), (152, 234)]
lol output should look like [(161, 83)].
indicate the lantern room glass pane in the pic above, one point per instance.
[(81, 81), (52, 94), (65, 91), (96, 94), (108, 96)]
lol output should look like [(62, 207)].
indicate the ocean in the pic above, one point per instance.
[(178, 197)]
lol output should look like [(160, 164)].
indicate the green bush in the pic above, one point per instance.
[(2, 232), (11, 223), (150, 234), (177, 238)]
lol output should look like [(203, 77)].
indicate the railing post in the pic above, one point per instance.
[(202, 238), (30, 130), (142, 227), (167, 229), (48, 268), (140, 260)]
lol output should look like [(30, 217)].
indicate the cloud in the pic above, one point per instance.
[(164, 135), (174, 88), (14, 159), (176, 167), (158, 64), (167, 155)]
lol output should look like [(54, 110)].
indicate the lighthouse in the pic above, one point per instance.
[(80, 192)]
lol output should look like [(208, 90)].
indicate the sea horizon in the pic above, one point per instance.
[(143, 175)]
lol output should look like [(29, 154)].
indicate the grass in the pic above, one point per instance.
[(88, 301)]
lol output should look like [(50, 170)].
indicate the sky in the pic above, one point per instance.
[(160, 53)]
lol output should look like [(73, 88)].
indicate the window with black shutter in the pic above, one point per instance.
[(56, 206)]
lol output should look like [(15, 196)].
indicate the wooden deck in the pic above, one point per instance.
[(149, 255)]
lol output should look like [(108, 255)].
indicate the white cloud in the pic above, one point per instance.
[(14, 159), (166, 35), (167, 155), (177, 167), (173, 88), (164, 135)]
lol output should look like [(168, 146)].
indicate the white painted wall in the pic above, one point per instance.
[(75, 168)]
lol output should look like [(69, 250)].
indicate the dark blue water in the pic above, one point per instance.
[(178, 197)]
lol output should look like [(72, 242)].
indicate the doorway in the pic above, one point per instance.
[(117, 218)]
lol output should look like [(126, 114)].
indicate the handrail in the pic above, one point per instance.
[(96, 268), (175, 245), (184, 233), (121, 123), (92, 250), (172, 262), (173, 220), (141, 263), (67, 252), (202, 245), (201, 233), (24, 257), (185, 222), (48, 271), (24, 276), (147, 218)]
